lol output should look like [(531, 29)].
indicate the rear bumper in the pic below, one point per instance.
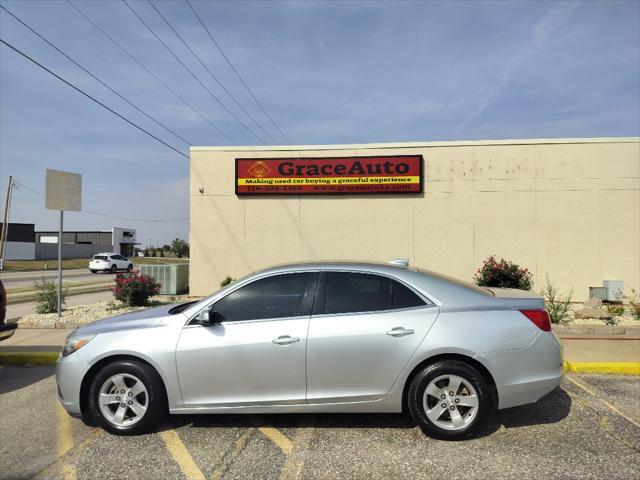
[(7, 330), (525, 376)]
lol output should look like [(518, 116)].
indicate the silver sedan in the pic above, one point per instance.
[(318, 337)]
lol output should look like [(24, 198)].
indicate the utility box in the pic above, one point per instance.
[(173, 279), (598, 292), (615, 289)]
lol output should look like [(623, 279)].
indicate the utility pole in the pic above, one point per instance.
[(5, 222)]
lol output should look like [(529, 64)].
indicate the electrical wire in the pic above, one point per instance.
[(217, 80), (93, 76), (237, 73), (213, 95), (157, 220), (146, 69), (214, 77), (79, 90)]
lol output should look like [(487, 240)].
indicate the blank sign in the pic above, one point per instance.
[(64, 191)]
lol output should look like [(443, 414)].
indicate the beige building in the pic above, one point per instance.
[(567, 208)]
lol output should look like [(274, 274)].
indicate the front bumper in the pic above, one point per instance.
[(70, 371)]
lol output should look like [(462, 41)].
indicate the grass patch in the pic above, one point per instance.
[(78, 263), (31, 288)]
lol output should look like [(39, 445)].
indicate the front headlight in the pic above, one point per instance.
[(75, 342)]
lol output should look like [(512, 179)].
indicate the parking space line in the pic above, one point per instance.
[(611, 407), (237, 449), (64, 441), (292, 469), (277, 437), (181, 455), (64, 437)]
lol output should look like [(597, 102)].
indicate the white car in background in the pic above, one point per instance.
[(109, 262)]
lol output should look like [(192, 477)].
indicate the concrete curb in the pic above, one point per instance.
[(28, 358), (607, 368)]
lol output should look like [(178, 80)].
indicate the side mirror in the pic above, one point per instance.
[(208, 317), (204, 317)]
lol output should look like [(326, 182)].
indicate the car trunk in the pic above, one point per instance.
[(518, 299)]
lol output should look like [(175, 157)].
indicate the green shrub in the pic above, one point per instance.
[(227, 280), (557, 305), (135, 288), (162, 253), (615, 310), (634, 303), (47, 296), (611, 320), (503, 274)]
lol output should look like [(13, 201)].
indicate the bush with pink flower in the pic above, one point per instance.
[(135, 288), (503, 274)]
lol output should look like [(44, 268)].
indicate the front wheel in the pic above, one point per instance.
[(113, 269), (449, 400), (127, 398)]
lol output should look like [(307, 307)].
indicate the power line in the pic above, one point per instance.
[(132, 57), (213, 95), (229, 94), (94, 77), (214, 77), (91, 98), (237, 73), (158, 220)]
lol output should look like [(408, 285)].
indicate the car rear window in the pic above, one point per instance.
[(100, 257)]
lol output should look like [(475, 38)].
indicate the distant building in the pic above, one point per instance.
[(20, 241), (84, 244)]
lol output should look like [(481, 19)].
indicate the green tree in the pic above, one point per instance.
[(180, 248)]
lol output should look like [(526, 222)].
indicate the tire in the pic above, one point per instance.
[(113, 268), (146, 388), (130, 268), (94, 271), (446, 418)]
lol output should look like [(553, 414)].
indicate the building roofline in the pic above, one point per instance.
[(372, 146)]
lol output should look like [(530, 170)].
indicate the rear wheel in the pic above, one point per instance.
[(130, 268), (113, 268), (127, 398), (449, 400), (94, 271)]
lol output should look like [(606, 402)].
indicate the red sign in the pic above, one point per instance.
[(344, 175)]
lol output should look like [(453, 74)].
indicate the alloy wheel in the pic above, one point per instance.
[(450, 402), (123, 400)]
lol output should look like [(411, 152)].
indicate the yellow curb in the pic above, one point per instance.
[(34, 358), (612, 368)]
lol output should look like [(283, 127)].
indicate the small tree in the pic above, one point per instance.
[(180, 248), (162, 252), (557, 305), (503, 274), (166, 248), (47, 296), (152, 252), (146, 252)]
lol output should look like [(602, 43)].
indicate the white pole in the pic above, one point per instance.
[(60, 265)]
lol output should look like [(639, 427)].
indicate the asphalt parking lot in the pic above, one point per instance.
[(590, 428)]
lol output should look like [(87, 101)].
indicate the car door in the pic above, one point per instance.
[(255, 353), (364, 329)]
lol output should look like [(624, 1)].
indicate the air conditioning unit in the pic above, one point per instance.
[(173, 279), (615, 290)]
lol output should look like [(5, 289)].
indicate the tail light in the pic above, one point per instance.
[(539, 317)]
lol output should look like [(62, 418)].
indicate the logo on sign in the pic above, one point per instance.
[(259, 169)]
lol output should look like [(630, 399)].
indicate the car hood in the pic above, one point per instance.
[(145, 318)]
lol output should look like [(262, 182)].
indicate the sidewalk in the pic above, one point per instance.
[(581, 354)]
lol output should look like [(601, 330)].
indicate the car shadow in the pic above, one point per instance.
[(552, 408), (14, 377)]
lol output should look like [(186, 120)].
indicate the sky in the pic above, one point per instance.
[(326, 73)]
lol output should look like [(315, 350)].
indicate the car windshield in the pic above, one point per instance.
[(181, 308), (99, 257)]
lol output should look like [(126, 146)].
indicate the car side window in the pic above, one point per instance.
[(403, 297), (278, 296), (347, 292)]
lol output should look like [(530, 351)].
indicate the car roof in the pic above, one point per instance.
[(356, 265)]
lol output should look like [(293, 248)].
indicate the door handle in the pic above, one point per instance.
[(400, 332), (285, 340)]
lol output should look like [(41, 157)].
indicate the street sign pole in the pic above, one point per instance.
[(60, 230), (64, 193)]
